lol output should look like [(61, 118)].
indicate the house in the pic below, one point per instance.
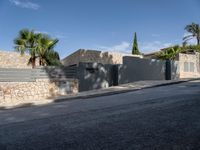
[(90, 56), (188, 63)]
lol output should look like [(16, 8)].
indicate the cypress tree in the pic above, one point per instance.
[(135, 49)]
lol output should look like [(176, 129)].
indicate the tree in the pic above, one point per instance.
[(135, 49), (191, 48), (53, 58), (194, 29), (27, 41), (46, 51), (38, 45), (169, 53)]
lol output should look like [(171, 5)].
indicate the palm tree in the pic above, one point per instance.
[(38, 45), (45, 49), (194, 29), (53, 58), (169, 53), (27, 41)]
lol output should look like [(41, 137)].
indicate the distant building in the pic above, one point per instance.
[(102, 57), (188, 62)]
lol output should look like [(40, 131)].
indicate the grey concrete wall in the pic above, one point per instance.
[(175, 70), (56, 72), (29, 75), (136, 69), (94, 76)]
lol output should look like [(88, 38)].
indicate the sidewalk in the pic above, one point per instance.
[(121, 89), (100, 92)]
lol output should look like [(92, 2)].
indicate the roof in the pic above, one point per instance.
[(156, 52)]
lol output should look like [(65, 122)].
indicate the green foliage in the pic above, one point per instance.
[(26, 41), (39, 46), (194, 48), (45, 50), (194, 30), (135, 49), (53, 58), (169, 53)]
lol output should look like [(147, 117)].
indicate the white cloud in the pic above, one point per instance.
[(193, 41), (147, 47), (25, 4), (122, 47)]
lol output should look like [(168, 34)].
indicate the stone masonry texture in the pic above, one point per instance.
[(21, 91), (189, 58), (9, 59), (95, 56), (15, 92)]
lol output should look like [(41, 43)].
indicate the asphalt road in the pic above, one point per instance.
[(160, 118)]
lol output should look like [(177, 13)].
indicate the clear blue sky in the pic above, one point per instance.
[(99, 24)]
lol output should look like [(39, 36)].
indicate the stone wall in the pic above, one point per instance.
[(10, 59), (93, 56), (22, 92), (189, 58)]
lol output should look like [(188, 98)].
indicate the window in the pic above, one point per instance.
[(191, 67), (188, 67)]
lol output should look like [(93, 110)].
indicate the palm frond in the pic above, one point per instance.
[(194, 29)]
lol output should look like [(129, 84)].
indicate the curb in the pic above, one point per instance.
[(108, 93), (57, 100)]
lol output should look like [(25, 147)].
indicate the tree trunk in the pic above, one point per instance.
[(33, 62), (198, 40), (40, 62)]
